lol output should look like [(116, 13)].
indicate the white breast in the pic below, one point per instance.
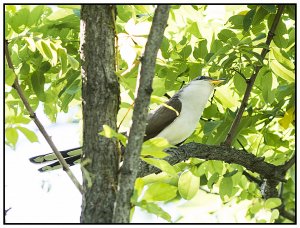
[(193, 98)]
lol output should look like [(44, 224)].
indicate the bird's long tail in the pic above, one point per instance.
[(71, 156)]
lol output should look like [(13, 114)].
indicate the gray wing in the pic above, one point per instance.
[(161, 118)]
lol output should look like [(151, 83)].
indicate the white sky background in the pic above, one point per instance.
[(26, 189)]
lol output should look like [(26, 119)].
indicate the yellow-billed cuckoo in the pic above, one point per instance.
[(175, 126)]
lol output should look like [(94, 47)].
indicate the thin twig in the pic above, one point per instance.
[(33, 116), (286, 166), (241, 74), (233, 130)]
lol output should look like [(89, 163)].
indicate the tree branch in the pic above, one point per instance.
[(221, 153), (271, 174), (129, 169), (232, 132), (33, 116)]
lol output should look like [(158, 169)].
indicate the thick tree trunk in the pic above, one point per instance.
[(100, 94)]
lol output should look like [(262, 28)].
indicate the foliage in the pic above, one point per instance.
[(44, 44)]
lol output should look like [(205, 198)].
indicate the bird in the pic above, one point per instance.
[(175, 120)]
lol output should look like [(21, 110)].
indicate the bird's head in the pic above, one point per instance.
[(201, 86), (207, 81)]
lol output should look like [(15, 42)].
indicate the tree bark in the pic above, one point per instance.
[(100, 94)]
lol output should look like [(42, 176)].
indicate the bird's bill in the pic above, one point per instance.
[(217, 81)]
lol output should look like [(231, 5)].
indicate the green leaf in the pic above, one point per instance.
[(161, 164), (215, 166), (11, 135), (259, 16), (158, 86), (35, 15), (289, 117), (275, 215), (202, 47), (160, 191), (226, 187), (291, 11), (225, 34), (272, 203), (227, 63), (281, 71), (230, 174), (154, 209), (248, 19), (31, 43), (62, 55), (236, 21), (188, 185), (222, 50), (44, 67), (30, 135), (38, 81), (256, 207), (216, 45), (259, 37), (195, 69), (154, 147), (20, 18), (212, 180), (194, 30), (25, 69), (161, 177), (210, 126), (74, 87), (46, 49), (186, 51), (124, 12), (9, 76), (71, 76), (267, 92), (108, 132), (239, 84), (73, 62), (270, 8), (283, 58), (164, 47)]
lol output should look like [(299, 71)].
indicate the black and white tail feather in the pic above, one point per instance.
[(71, 156)]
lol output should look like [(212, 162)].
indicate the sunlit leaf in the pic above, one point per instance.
[(30, 135), (281, 71), (226, 187), (9, 76), (154, 209), (160, 191), (289, 117), (11, 135), (155, 147), (188, 185), (272, 203), (110, 133), (161, 164)]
